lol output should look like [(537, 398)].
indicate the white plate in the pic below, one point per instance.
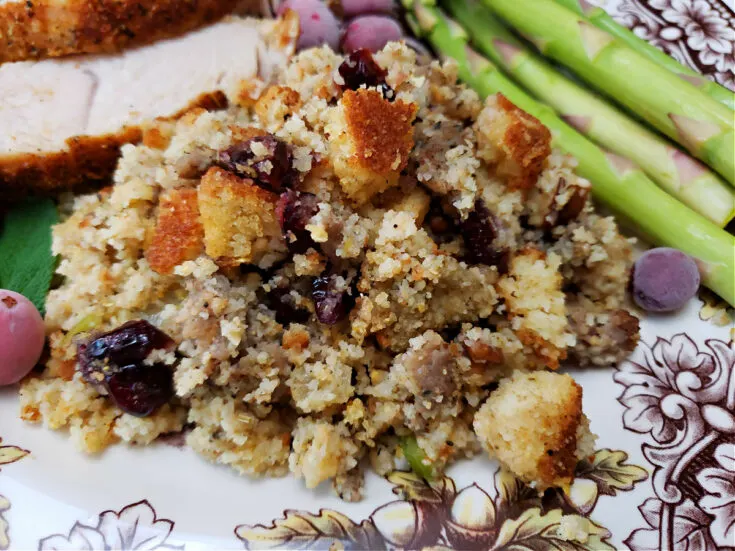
[(663, 477), (665, 424)]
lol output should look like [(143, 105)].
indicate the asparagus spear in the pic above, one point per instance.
[(624, 188), (599, 17), (674, 106), (680, 175)]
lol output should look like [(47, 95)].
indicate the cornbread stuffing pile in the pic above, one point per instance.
[(358, 254)]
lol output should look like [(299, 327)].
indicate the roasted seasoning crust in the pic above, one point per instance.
[(88, 162), (39, 29)]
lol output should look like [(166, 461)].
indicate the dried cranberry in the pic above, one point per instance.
[(294, 210), (283, 304), (130, 343), (141, 389), (270, 165), (360, 69), (479, 230), (114, 361), (332, 302)]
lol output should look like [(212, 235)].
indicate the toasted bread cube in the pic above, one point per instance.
[(239, 218), (371, 139), (533, 424), (178, 235), (512, 141), (533, 294)]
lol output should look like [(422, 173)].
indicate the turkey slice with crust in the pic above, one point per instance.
[(63, 120), (33, 29)]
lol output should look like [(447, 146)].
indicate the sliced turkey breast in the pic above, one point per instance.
[(62, 121), (32, 29)]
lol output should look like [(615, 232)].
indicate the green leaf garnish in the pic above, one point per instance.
[(26, 262)]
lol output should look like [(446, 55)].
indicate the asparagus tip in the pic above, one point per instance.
[(593, 39), (693, 133), (476, 62), (688, 169), (621, 165), (586, 7), (456, 29), (578, 122), (507, 50), (692, 79)]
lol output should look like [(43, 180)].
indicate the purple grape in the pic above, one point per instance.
[(22, 336), (318, 24), (350, 8), (293, 211), (664, 280), (331, 304), (370, 32), (141, 389)]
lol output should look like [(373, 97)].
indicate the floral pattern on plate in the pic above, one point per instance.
[(507, 515), (8, 454), (679, 394), (134, 527), (682, 396), (698, 33)]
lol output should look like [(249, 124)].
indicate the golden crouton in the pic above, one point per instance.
[(178, 235), (239, 218), (371, 139), (533, 295), (36, 30), (276, 104), (533, 423), (512, 141)]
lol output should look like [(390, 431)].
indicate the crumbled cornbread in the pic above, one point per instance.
[(339, 270)]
